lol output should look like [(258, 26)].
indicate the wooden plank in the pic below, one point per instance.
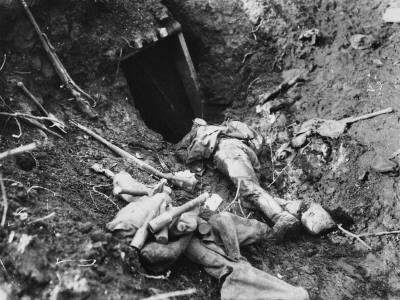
[(188, 76)]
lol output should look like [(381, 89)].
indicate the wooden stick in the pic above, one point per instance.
[(74, 89), (188, 184), (18, 150), (33, 98), (380, 233), (368, 116), (354, 236), (27, 116), (40, 126), (167, 296), (5, 201), (279, 89)]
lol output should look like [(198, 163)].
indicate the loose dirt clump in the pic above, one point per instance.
[(54, 244)]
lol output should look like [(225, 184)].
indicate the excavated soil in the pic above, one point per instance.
[(72, 245)]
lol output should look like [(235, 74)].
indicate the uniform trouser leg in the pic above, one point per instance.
[(241, 281), (238, 161)]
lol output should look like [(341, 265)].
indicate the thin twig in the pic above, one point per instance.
[(17, 114), (104, 195), (1, 263), (159, 277), (251, 83), (43, 218), (17, 136), (354, 236), (18, 150), (130, 46), (247, 55), (171, 294), (241, 209), (119, 62), (22, 72), (236, 196), (95, 205), (41, 127), (93, 261), (272, 155), (277, 176), (87, 265), (14, 181), (5, 57), (40, 187), (380, 233), (5, 201)]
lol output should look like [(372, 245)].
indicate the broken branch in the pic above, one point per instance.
[(354, 236), (74, 89), (18, 150), (280, 88), (188, 184), (57, 123), (32, 120), (17, 114)]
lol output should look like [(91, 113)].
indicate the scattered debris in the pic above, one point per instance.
[(384, 165), (213, 202), (21, 214), (378, 62), (24, 241), (72, 285), (361, 42), (329, 128), (281, 88), (311, 34), (363, 176), (392, 15)]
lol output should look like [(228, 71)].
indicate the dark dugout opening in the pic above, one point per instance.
[(164, 86)]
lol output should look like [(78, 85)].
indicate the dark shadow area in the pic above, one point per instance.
[(158, 90)]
